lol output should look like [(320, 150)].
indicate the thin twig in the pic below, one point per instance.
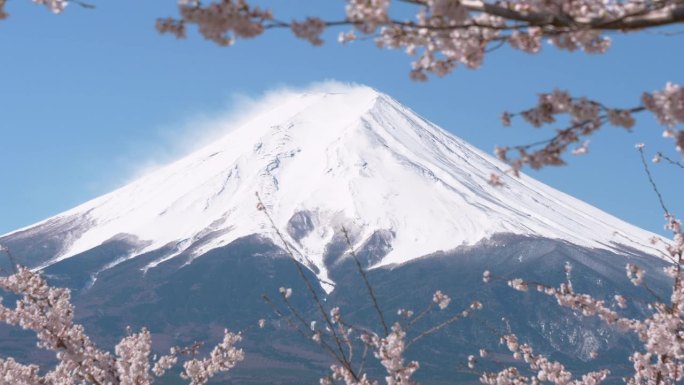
[(496, 46), (83, 4), (363, 358), (462, 314), (659, 251), (678, 264), (650, 179), (365, 280), (294, 312), (309, 287), (670, 160), (347, 341), (289, 321), (422, 314), (574, 127)]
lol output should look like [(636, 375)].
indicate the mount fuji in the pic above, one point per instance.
[(185, 246), (321, 161)]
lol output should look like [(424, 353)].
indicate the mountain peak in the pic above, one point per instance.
[(325, 159)]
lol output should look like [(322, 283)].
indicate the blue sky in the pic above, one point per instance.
[(90, 98)]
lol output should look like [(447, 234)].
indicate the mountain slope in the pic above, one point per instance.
[(184, 251), (320, 161)]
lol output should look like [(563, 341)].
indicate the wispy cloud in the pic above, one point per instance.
[(200, 130)]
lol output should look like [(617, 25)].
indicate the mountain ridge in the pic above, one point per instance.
[(320, 161)]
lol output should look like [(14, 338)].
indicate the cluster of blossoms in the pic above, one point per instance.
[(346, 376), (3, 14), (222, 358), (441, 299), (48, 312), (587, 117), (543, 369), (443, 33), (667, 105), (341, 339), (55, 6), (390, 351), (660, 362), (286, 292), (309, 29), (676, 247), (635, 274), (368, 15), (221, 22)]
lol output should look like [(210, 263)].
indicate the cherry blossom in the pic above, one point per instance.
[(441, 35), (661, 360), (286, 292), (587, 117), (441, 299), (48, 312)]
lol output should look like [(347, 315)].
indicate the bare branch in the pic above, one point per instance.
[(365, 281)]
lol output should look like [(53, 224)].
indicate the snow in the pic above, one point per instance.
[(357, 159)]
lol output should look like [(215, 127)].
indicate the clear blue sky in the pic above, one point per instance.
[(90, 97)]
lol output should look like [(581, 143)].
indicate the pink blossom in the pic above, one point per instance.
[(47, 312), (441, 299)]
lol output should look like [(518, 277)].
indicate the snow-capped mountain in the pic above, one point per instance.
[(320, 161), (185, 251)]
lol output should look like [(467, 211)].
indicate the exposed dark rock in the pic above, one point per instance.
[(192, 298)]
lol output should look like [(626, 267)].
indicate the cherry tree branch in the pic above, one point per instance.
[(363, 275), (654, 187)]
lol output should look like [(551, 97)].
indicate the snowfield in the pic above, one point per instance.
[(357, 159)]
